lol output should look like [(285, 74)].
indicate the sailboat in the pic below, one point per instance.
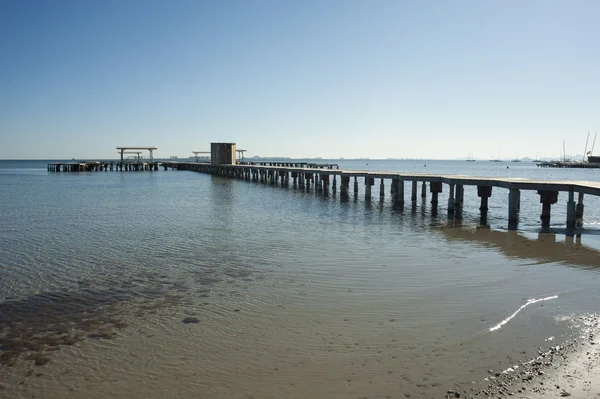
[(470, 157), (516, 159)]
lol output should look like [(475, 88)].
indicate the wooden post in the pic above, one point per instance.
[(381, 189), (355, 185), (413, 197), (424, 190)]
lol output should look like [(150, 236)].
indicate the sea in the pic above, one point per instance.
[(177, 284)]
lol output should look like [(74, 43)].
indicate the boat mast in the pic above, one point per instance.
[(564, 152), (592, 151), (586, 143)]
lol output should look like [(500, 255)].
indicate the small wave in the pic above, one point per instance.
[(529, 302)]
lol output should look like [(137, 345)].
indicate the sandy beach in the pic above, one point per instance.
[(570, 370)]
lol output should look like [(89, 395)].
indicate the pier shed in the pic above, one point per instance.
[(222, 154)]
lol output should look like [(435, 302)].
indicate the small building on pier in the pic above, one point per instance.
[(222, 154)]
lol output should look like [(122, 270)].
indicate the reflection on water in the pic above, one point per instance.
[(544, 248)]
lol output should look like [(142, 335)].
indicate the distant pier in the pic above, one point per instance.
[(124, 165), (324, 177), (567, 164), (100, 166)]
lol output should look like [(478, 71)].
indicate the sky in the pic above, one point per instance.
[(299, 78)]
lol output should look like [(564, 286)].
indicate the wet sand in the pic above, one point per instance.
[(568, 370)]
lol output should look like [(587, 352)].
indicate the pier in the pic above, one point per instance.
[(103, 166), (569, 164), (405, 188), (124, 165)]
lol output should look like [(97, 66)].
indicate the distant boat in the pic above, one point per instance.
[(470, 157), (497, 159)]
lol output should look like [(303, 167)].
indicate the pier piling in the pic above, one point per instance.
[(399, 192), (579, 210), (434, 188), (513, 208), (451, 199), (369, 181), (484, 192), (458, 201), (344, 185), (547, 198), (571, 211)]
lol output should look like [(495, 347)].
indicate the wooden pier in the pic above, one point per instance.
[(325, 177)]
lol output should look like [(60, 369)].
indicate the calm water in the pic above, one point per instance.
[(180, 284)]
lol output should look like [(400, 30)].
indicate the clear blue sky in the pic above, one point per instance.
[(428, 79)]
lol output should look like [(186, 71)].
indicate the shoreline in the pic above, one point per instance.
[(567, 370)]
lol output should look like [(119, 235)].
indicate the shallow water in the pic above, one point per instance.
[(284, 292)]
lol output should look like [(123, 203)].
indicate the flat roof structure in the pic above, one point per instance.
[(150, 149)]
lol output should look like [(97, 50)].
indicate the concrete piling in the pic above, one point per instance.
[(451, 200), (579, 211), (345, 185), (484, 192), (571, 218), (547, 198), (399, 192), (458, 201), (434, 188), (513, 208), (369, 181)]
